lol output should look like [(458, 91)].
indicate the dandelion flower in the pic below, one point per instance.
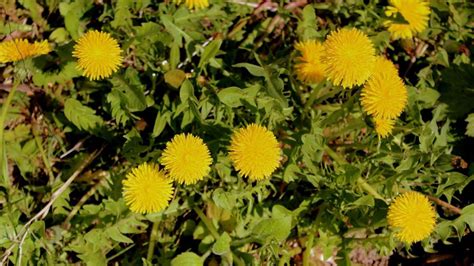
[(146, 189), (384, 95), (349, 57), (197, 4), (187, 159), (309, 68), (19, 49), (412, 217), (414, 12), (98, 54), (383, 126), (255, 152)]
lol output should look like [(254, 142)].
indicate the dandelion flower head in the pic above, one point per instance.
[(98, 54), (384, 95), (412, 217), (349, 57), (309, 67), (414, 12), (187, 159), (19, 49), (255, 152), (196, 4), (383, 126), (146, 189)]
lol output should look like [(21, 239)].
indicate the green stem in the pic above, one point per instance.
[(334, 155), (307, 251), (369, 189), (362, 183), (121, 252), (3, 116), (153, 83), (151, 243), (238, 261), (207, 222), (230, 257)]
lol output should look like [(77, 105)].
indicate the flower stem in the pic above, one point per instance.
[(151, 243), (362, 183), (207, 222), (446, 205), (3, 116)]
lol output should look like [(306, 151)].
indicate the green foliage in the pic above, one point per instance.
[(83, 117), (187, 259), (73, 11), (470, 125), (458, 225), (67, 142)]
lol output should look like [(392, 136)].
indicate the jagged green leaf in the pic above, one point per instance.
[(83, 117), (132, 89), (123, 16), (118, 108)]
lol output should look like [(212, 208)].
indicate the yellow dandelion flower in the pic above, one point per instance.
[(399, 31), (412, 217), (197, 4), (19, 49), (255, 152), (349, 57), (146, 189), (383, 126), (98, 54), (309, 68), (187, 159), (382, 64), (414, 12), (384, 95)]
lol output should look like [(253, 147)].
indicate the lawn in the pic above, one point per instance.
[(234, 132)]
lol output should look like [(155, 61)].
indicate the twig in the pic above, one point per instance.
[(244, 3), (43, 212), (188, 59), (28, 89), (75, 148), (20, 246), (444, 204)]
